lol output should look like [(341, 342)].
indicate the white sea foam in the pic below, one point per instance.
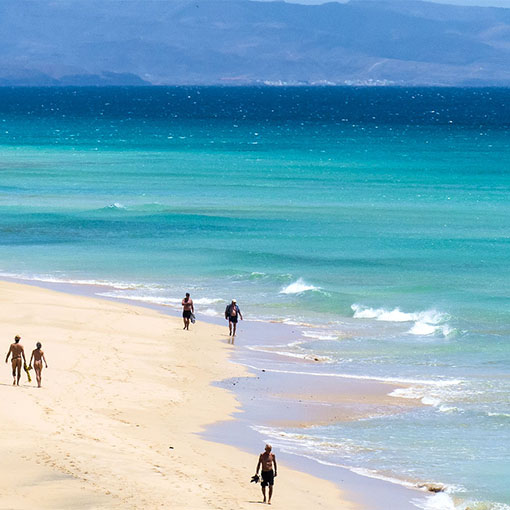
[(422, 328), (439, 501), (449, 409), (499, 415), (428, 322), (116, 205), (291, 322), (396, 380), (443, 501), (296, 343), (162, 300), (325, 445), (396, 315), (433, 395), (299, 354), (411, 393), (298, 287), (431, 401), (207, 301), (370, 473), (156, 300), (209, 312), (318, 336), (75, 281)]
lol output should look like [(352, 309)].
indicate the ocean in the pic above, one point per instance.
[(376, 221)]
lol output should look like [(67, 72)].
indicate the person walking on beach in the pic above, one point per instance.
[(17, 352), (187, 310), (267, 461), (232, 312), (38, 357)]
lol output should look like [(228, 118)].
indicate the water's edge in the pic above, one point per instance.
[(364, 488)]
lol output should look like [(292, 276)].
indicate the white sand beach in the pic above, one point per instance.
[(116, 424)]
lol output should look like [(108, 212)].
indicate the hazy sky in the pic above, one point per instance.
[(483, 3)]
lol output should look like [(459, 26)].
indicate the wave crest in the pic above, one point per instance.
[(207, 301), (298, 287), (115, 205), (428, 322)]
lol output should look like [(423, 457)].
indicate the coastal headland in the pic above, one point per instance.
[(117, 422)]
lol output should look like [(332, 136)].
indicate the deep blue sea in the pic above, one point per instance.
[(375, 220)]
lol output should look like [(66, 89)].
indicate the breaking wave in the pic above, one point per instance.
[(298, 287), (428, 322), (116, 205), (208, 301)]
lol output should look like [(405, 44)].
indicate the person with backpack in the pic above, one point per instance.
[(232, 312)]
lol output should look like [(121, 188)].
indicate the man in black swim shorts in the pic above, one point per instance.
[(267, 461), (187, 310), (231, 313)]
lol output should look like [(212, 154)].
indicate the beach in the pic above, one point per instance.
[(117, 422), (362, 230)]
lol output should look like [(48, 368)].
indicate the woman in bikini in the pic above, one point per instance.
[(38, 357)]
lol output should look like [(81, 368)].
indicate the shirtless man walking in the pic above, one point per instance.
[(17, 352), (267, 460), (187, 309), (232, 312), (38, 357)]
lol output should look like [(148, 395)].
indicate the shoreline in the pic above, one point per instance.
[(353, 486), (111, 427)]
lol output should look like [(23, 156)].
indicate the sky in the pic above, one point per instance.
[(482, 3)]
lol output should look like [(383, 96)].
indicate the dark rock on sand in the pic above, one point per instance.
[(432, 487)]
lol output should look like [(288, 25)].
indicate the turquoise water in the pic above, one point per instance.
[(376, 220)]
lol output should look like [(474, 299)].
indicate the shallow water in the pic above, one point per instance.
[(375, 220)]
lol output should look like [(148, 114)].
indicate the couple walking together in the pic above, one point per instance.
[(17, 353), (232, 313)]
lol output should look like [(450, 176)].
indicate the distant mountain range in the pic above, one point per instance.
[(163, 42)]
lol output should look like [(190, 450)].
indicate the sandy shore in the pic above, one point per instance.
[(116, 423)]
